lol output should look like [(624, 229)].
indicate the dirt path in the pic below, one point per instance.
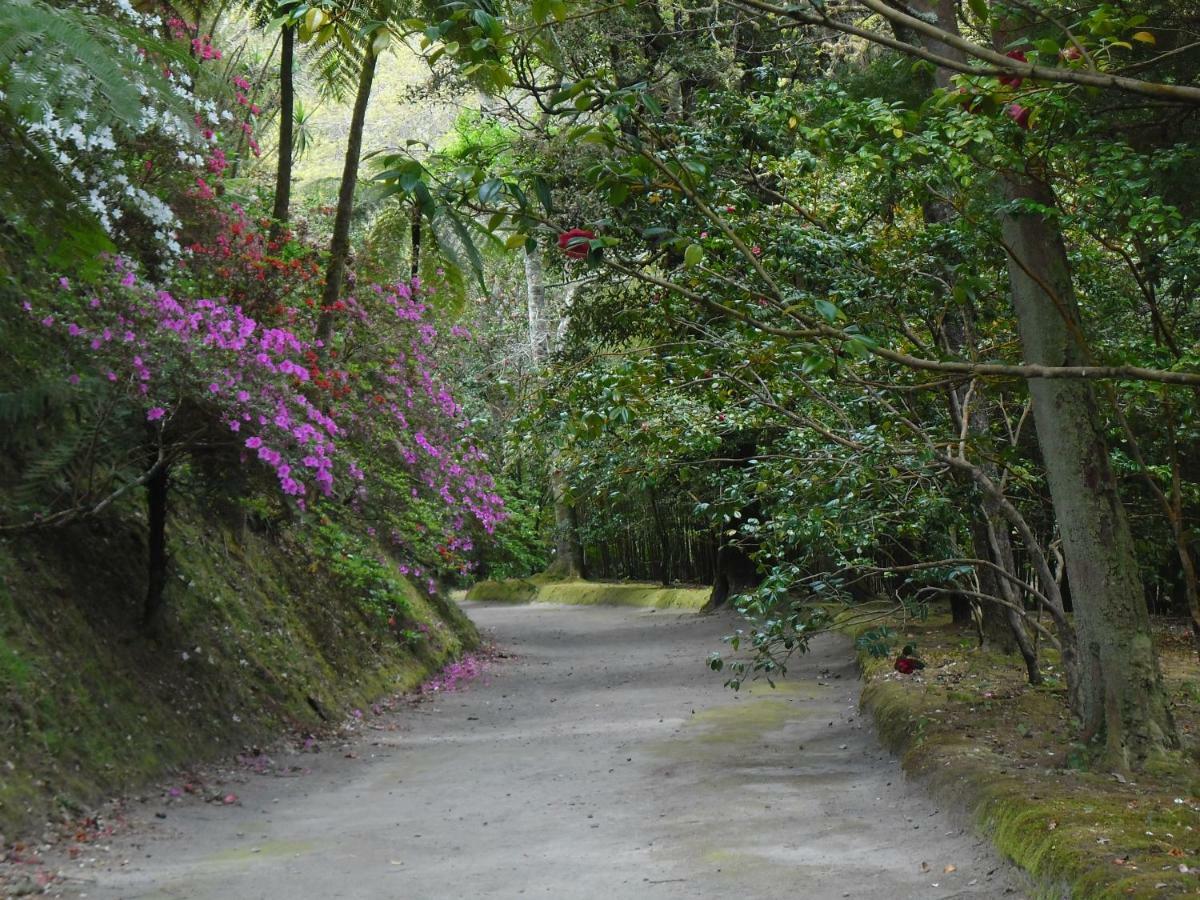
[(603, 762)]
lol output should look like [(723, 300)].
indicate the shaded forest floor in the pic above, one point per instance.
[(1006, 750)]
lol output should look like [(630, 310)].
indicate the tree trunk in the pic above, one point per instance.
[(735, 573), (157, 488), (339, 246), (1122, 701), (535, 302), (998, 625), (414, 232), (568, 549), (665, 567), (998, 542), (287, 117)]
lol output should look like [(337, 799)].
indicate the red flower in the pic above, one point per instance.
[(574, 242), (1014, 81), (1019, 114)]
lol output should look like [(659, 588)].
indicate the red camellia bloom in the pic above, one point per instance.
[(574, 242), (1014, 81), (1019, 114)]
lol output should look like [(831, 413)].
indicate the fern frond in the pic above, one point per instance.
[(27, 405), (49, 470)]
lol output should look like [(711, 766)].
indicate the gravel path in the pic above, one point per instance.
[(603, 761)]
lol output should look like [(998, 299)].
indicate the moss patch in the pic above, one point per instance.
[(513, 590), (986, 741), (542, 589), (261, 634)]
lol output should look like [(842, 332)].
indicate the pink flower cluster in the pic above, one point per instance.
[(175, 354), (457, 674), (203, 48)]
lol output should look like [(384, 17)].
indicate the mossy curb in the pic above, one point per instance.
[(541, 589), (1068, 833)]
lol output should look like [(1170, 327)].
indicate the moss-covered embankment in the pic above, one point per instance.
[(264, 629), (547, 589), (986, 742)]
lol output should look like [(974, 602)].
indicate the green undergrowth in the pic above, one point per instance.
[(266, 629), (985, 741), (546, 589)]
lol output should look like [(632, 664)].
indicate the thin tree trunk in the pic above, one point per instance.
[(339, 246), (287, 120), (1121, 694), (157, 490), (999, 543), (664, 541), (414, 232)]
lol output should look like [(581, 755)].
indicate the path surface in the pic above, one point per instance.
[(603, 762)]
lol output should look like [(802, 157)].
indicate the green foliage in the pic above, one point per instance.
[(357, 566), (78, 66), (876, 642), (256, 624)]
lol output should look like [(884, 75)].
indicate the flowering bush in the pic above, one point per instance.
[(201, 330), (276, 397), (129, 131)]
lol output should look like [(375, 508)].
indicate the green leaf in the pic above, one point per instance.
[(490, 190), (693, 255), (542, 189), (980, 9), (815, 363), (828, 311), (651, 103)]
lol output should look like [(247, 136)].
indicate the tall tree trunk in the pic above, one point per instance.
[(1121, 694), (287, 121), (568, 549), (339, 246), (535, 304)]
